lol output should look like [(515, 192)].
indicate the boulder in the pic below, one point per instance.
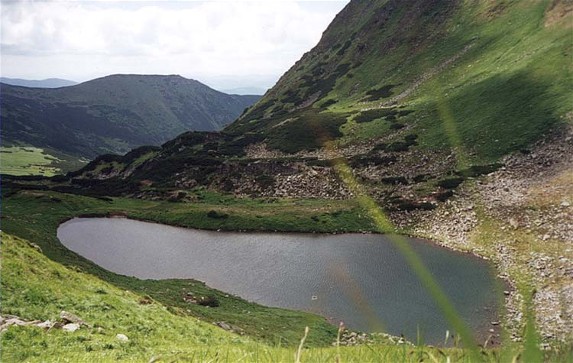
[(71, 327)]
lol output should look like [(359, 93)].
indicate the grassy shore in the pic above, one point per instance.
[(152, 313)]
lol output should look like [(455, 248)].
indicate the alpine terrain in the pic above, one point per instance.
[(448, 120), (111, 114)]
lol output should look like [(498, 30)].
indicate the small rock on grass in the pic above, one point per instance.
[(71, 327), (122, 337)]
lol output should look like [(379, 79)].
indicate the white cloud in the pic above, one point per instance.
[(83, 39)]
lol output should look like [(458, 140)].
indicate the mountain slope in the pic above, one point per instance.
[(114, 113), (440, 60), (437, 110), (416, 97)]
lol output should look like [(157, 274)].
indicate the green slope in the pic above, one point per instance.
[(485, 77), (461, 84), (114, 113), (151, 313)]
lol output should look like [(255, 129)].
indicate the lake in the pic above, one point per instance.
[(360, 279)]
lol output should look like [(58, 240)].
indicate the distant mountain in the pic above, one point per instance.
[(44, 83), (414, 95), (114, 114), (245, 91)]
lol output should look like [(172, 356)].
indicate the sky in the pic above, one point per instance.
[(225, 44)]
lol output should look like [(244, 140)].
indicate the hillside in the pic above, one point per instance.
[(416, 99), (450, 120), (113, 114)]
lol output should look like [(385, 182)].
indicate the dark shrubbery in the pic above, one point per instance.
[(371, 115), (394, 180), (378, 93), (371, 160), (477, 170), (307, 132), (328, 103), (217, 215), (450, 183), (265, 181), (443, 196), (210, 301)]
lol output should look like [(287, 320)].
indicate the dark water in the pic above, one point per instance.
[(360, 279)]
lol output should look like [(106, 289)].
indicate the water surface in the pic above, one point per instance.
[(360, 279)]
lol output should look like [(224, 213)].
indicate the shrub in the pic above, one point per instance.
[(378, 93), (450, 183), (216, 215), (210, 301)]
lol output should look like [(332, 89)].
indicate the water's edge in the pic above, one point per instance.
[(376, 283)]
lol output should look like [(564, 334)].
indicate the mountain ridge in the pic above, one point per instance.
[(43, 83), (114, 113)]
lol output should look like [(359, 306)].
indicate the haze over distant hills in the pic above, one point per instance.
[(114, 114), (245, 91), (44, 83)]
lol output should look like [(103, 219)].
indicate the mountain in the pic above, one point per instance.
[(45, 83), (114, 113), (448, 120), (415, 98), (245, 91)]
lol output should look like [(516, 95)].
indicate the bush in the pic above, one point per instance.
[(216, 215), (210, 301), (450, 183), (394, 180), (378, 93)]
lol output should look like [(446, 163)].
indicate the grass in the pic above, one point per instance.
[(35, 287), (35, 215), (18, 160)]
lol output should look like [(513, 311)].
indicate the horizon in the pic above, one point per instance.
[(243, 44), (241, 90)]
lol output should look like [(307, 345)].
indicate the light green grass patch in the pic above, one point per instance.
[(18, 160)]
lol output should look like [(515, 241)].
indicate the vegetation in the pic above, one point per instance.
[(469, 80), (18, 160), (113, 114)]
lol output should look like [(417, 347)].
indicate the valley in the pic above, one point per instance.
[(445, 120), (112, 114)]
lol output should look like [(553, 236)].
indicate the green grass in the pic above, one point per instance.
[(494, 80), (35, 287), (18, 160), (35, 215)]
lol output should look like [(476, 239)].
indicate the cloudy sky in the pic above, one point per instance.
[(226, 44)]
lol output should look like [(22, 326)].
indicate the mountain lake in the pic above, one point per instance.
[(360, 279)]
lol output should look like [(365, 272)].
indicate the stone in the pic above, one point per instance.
[(71, 318), (122, 337), (223, 325), (71, 327), (513, 223), (46, 324)]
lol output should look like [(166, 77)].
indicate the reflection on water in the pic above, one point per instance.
[(359, 279)]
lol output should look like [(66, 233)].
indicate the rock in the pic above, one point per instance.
[(71, 327), (565, 203), (36, 247), (513, 223), (46, 324), (122, 337), (223, 325), (71, 318)]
